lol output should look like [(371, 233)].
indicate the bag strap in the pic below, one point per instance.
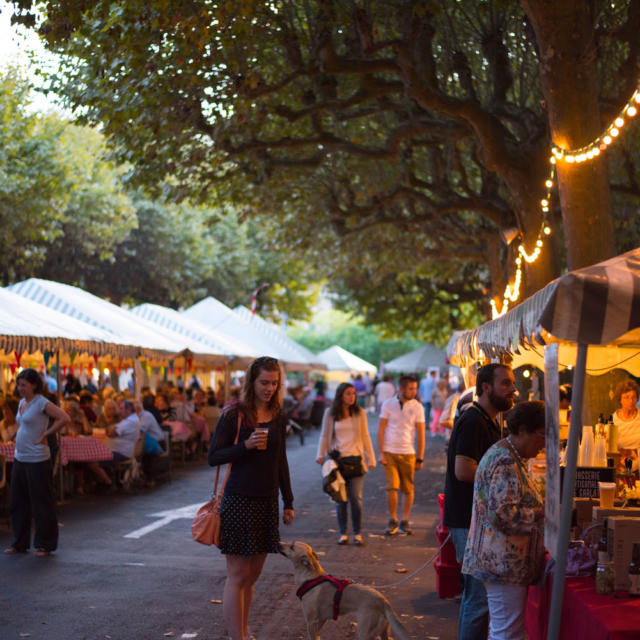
[(226, 475)]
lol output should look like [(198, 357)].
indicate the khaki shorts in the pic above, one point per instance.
[(399, 470)]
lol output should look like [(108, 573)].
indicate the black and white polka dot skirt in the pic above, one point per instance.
[(249, 525)]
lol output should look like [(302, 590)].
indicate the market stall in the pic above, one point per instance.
[(595, 313)]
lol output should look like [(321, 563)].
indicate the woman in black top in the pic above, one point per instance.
[(249, 507)]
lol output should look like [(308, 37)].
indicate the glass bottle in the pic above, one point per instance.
[(634, 571), (605, 576)]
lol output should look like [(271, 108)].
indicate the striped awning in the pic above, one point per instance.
[(597, 305)]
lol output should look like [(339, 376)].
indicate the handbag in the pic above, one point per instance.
[(205, 527), (349, 466)]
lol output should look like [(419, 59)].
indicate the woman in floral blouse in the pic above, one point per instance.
[(505, 548)]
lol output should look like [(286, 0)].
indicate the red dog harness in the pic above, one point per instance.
[(336, 582)]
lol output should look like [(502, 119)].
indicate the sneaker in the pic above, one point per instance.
[(343, 540), (358, 541), (405, 529), (392, 528)]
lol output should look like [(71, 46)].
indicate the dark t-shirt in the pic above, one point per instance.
[(254, 472), (473, 433)]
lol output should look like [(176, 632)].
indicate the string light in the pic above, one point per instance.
[(570, 156)]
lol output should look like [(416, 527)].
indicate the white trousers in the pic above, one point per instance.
[(507, 604)]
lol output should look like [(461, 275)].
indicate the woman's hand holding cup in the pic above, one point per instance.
[(258, 439)]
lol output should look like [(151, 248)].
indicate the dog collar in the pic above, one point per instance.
[(338, 583)]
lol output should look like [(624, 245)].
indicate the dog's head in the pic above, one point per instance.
[(304, 558)]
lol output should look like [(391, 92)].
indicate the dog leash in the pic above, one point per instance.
[(417, 571)]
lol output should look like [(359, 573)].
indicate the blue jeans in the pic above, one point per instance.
[(354, 497), (473, 623)]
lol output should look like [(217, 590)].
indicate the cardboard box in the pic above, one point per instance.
[(584, 511), (621, 534), (599, 513)]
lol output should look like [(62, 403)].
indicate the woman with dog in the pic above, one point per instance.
[(250, 435), (505, 547), (345, 434)]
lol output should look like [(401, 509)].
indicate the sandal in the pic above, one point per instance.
[(42, 553), (12, 550)]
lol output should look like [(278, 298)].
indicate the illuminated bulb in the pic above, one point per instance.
[(547, 231), (545, 209), (569, 159), (619, 122), (525, 373), (607, 139), (636, 97), (544, 203), (539, 244), (552, 159), (632, 112), (589, 155), (518, 261), (548, 184), (596, 152), (614, 132)]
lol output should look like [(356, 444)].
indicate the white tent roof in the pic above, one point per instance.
[(274, 333), (183, 325), (338, 359), (215, 315), (419, 360), (124, 326), (24, 327)]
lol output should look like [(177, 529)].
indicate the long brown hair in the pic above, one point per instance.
[(336, 405), (247, 402)]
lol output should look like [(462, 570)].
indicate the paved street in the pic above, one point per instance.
[(127, 568)]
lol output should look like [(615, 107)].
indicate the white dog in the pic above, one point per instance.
[(324, 598)]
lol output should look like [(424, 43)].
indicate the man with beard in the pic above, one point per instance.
[(474, 431)]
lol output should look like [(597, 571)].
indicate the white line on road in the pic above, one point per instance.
[(166, 517)]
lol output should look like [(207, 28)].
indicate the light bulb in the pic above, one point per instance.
[(538, 243), (544, 203), (619, 122), (547, 231), (518, 260), (636, 97), (596, 151), (548, 184), (606, 140), (569, 159), (552, 159), (632, 112), (614, 132)]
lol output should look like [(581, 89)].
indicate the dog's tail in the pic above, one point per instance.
[(399, 632)]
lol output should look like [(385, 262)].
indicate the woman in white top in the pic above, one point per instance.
[(627, 419), (344, 428), (31, 476)]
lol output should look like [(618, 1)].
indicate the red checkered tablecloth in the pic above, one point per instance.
[(81, 449)]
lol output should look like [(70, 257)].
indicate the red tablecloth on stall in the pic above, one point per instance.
[(585, 614), (80, 449)]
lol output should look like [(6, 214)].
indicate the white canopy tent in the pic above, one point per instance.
[(422, 359), (276, 334), (214, 314), (338, 359), (181, 324), (597, 305), (153, 341)]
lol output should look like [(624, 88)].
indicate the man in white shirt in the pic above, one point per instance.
[(125, 433), (383, 391), (401, 424)]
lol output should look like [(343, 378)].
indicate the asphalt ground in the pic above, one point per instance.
[(158, 583)]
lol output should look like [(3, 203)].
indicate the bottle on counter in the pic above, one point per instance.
[(634, 571), (605, 576), (612, 444), (600, 428)]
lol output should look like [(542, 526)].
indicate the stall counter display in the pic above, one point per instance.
[(622, 533)]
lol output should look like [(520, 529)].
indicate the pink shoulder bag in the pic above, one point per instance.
[(205, 527)]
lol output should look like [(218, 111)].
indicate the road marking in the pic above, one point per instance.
[(166, 517)]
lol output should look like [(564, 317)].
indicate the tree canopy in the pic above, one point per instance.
[(414, 131)]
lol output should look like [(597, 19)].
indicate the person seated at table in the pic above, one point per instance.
[(505, 546), (109, 414), (149, 404), (72, 385), (154, 435), (85, 401), (199, 400), (167, 412), (8, 424), (78, 425), (627, 419)]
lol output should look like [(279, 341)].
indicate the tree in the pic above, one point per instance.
[(57, 190), (359, 118)]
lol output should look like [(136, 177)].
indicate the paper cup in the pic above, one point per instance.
[(265, 431), (607, 494)]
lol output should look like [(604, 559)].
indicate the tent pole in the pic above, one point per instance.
[(577, 396), (58, 435)]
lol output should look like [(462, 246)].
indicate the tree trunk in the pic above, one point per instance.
[(565, 36)]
